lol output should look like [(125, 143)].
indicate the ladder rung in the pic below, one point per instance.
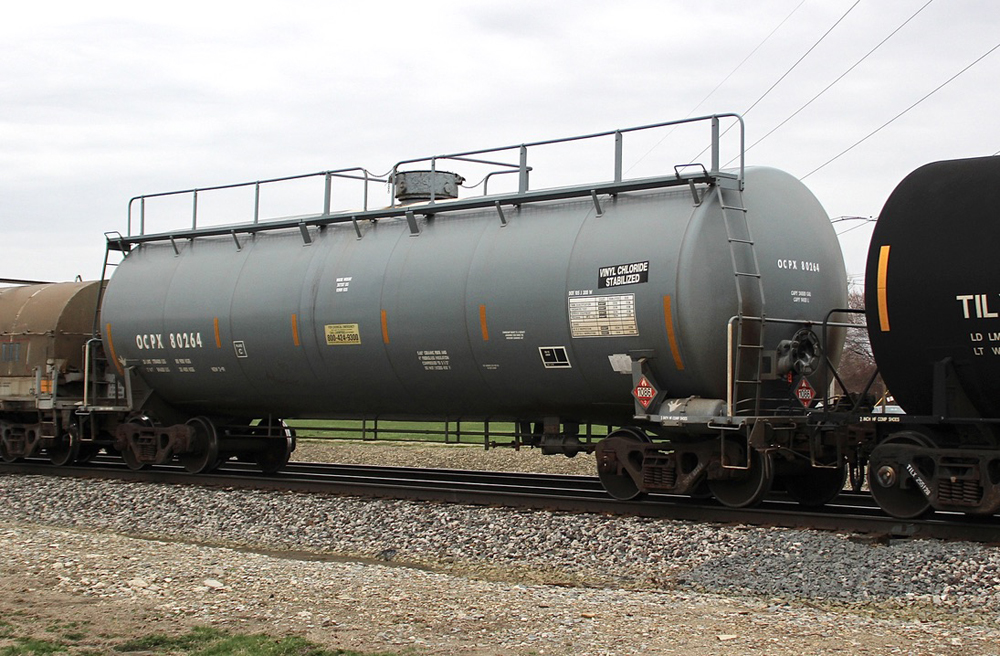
[(734, 240), (747, 274), (753, 346), (747, 382), (733, 207)]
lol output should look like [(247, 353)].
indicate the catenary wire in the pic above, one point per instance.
[(879, 128), (800, 59), (718, 86), (839, 78), (786, 73)]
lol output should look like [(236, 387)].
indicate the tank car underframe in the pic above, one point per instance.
[(919, 463), (201, 443), (737, 466), (54, 433)]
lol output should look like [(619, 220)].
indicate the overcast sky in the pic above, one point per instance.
[(103, 101)]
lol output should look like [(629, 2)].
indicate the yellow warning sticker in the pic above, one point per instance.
[(340, 334)]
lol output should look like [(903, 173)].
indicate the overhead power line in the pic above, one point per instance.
[(799, 60), (842, 75), (745, 59), (790, 69), (861, 222), (891, 120), (719, 85)]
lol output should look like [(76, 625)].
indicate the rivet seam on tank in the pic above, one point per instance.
[(482, 323), (883, 274), (668, 320)]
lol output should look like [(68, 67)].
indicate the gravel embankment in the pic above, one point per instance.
[(477, 565)]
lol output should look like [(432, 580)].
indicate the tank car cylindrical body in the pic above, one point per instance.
[(43, 331), (933, 285), (459, 315), (42, 327)]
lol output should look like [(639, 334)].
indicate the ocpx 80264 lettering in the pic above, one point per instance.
[(185, 340)]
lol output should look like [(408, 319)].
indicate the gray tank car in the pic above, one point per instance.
[(699, 314), (678, 308)]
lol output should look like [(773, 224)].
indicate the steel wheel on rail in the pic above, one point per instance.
[(64, 448), (743, 488), (204, 454), (895, 488), (816, 486), (277, 449), (5, 452), (619, 462), (131, 459), (88, 452)]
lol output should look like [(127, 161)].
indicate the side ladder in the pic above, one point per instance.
[(748, 338)]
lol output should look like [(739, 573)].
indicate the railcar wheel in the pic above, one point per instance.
[(5, 453), (131, 459), (619, 462), (817, 486), (277, 449), (64, 448), (745, 488), (892, 486), (205, 452), (87, 452)]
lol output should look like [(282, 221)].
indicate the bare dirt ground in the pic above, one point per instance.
[(66, 582), (92, 590)]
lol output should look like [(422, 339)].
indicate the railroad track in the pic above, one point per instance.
[(849, 512)]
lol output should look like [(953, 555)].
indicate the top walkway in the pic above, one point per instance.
[(513, 160)]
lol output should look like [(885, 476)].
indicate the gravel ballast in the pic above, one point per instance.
[(588, 566)]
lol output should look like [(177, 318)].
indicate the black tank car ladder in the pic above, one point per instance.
[(748, 337)]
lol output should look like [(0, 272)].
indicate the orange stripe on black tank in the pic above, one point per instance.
[(881, 287)]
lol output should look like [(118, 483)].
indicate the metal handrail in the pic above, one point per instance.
[(365, 176), (472, 156), (730, 351), (522, 149)]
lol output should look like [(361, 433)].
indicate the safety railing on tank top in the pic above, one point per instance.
[(523, 169), (688, 173)]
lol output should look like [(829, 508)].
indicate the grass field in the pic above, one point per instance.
[(71, 638), (414, 431)]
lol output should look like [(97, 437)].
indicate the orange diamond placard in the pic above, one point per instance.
[(644, 392), (804, 392)]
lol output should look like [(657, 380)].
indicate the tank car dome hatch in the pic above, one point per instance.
[(419, 186), (932, 288)]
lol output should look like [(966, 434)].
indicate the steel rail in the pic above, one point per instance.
[(855, 513)]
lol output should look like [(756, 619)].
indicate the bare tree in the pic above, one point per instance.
[(857, 364)]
